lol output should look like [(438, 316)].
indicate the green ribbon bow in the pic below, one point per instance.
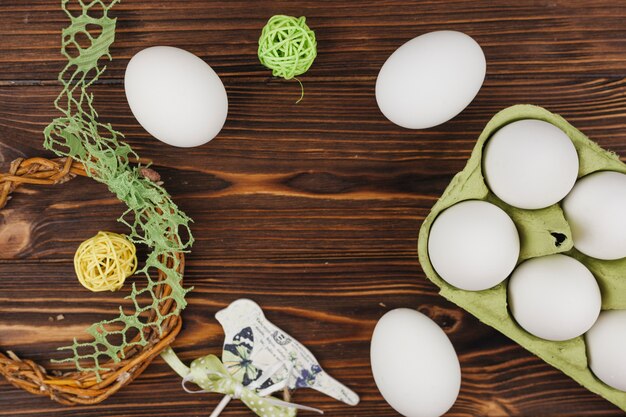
[(210, 374)]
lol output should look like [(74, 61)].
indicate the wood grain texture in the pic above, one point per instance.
[(310, 209)]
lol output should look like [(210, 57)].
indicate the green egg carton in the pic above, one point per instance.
[(542, 232)]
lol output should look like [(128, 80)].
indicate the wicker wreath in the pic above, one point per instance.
[(84, 387)]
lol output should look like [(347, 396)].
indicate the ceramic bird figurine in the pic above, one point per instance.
[(264, 357)]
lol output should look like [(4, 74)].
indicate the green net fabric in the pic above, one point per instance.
[(152, 216)]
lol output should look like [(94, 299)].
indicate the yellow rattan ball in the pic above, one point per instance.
[(103, 262)]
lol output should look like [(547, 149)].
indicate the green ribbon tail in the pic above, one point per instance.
[(174, 362)]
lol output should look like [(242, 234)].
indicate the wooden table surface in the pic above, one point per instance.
[(311, 209)]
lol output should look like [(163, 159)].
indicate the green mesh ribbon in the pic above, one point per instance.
[(152, 216)]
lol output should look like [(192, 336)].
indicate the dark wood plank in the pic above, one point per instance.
[(541, 38), (310, 209)]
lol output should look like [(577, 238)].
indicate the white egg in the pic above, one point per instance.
[(606, 346), (175, 96), (473, 245), (530, 164), (554, 297), (430, 79), (414, 364), (595, 211)]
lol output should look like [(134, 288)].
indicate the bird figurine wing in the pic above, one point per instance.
[(236, 357), (260, 354)]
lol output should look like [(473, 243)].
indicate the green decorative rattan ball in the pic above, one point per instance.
[(287, 46)]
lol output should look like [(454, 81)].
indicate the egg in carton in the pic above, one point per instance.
[(542, 232)]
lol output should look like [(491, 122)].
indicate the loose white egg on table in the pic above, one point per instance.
[(530, 164), (473, 245), (596, 213), (414, 364), (175, 96), (430, 79), (554, 297), (606, 346)]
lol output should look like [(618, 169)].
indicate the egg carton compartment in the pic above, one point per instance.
[(542, 232)]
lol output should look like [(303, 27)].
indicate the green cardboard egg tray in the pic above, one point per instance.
[(542, 232)]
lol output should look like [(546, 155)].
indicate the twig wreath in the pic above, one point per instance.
[(121, 348)]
